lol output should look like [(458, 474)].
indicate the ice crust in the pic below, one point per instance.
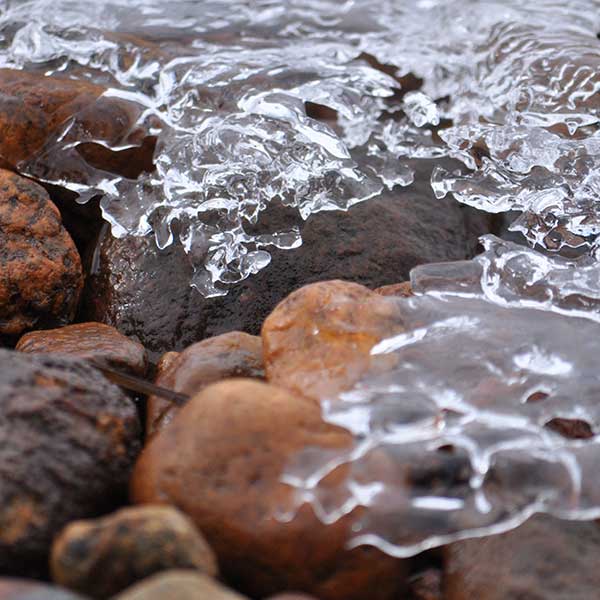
[(453, 441)]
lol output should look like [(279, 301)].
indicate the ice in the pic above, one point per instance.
[(300, 103)]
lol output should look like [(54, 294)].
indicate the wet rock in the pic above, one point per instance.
[(69, 439), (179, 585), (220, 461), (317, 342), (543, 559), (427, 585), (91, 341), (104, 556), (232, 354), (34, 107), (40, 270), (400, 290), (23, 589), (145, 292)]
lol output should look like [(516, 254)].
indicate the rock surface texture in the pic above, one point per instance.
[(144, 292), (69, 439), (23, 589), (97, 342), (40, 270), (104, 556), (220, 461), (543, 559), (232, 354)]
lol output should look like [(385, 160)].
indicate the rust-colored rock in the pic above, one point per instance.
[(543, 559), (232, 354), (179, 585), (317, 342), (220, 461), (97, 342), (26, 589), (400, 290), (104, 556), (427, 585), (144, 292), (34, 107), (40, 270), (69, 439)]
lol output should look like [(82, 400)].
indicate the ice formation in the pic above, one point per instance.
[(455, 440)]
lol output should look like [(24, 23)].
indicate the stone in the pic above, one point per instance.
[(179, 585), (104, 556), (25, 589), (221, 460), (144, 292), (317, 342), (34, 108), (40, 270), (427, 585), (234, 354), (400, 290), (291, 596), (97, 342), (543, 559), (69, 441)]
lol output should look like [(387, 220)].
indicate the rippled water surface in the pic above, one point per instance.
[(494, 349)]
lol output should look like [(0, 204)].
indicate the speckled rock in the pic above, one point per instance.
[(40, 270), (69, 439), (179, 585), (220, 461), (24, 589), (543, 559), (145, 292), (104, 556), (317, 342), (91, 341), (232, 354), (401, 290)]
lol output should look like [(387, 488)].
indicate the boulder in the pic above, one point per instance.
[(26, 589), (144, 292)]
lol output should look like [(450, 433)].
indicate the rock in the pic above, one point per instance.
[(543, 559), (179, 585), (24, 589), (104, 556), (317, 342), (401, 290), (232, 354), (374, 243), (220, 461), (34, 107), (40, 270), (69, 440), (91, 341), (427, 585), (291, 596)]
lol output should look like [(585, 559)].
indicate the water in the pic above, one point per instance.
[(454, 440)]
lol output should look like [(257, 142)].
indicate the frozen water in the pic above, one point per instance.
[(469, 432)]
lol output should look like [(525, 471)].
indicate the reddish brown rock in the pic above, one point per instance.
[(97, 342), (400, 290), (104, 556), (24, 589), (69, 439), (34, 107), (291, 596), (232, 354), (145, 293), (220, 461), (317, 342), (543, 559), (179, 585), (40, 270), (427, 585)]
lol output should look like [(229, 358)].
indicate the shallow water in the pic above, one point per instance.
[(496, 347)]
